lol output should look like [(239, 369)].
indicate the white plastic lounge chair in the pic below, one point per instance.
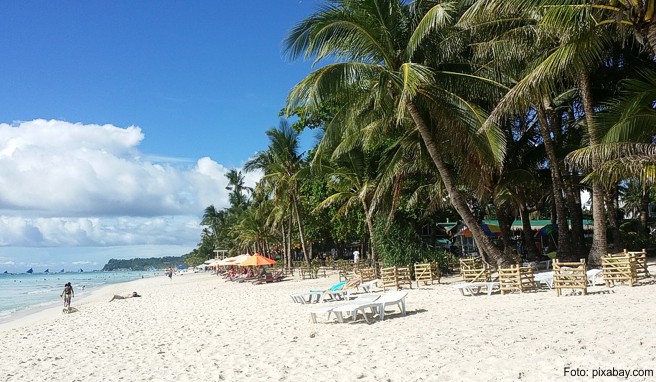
[(377, 307), (389, 299), (369, 284), (545, 278), (592, 276), (474, 288), (328, 308), (320, 296)]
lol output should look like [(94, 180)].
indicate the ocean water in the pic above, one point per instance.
[(25, 291)]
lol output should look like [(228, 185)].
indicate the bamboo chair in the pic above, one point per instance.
[(642, 271), (516, 279), (570, 276), (619, 268), (474, 270), (395, 277), (423, 273), (367, 274)]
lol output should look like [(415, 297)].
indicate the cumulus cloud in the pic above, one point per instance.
[(72, 184)]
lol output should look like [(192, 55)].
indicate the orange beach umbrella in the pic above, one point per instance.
[(257, 260)]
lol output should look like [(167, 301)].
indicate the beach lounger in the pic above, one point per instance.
[(369, 284), (328, 308), (592, 276), (377, 307), (474, 288), (545, 278)]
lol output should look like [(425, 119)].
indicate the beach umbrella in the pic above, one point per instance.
[(489, 229), (257, 260), (547, 230), (233, 260)]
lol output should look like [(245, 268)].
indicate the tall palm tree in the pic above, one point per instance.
[(354, 178), (575, 48), (282, 165), (386, 60), (236, 184)]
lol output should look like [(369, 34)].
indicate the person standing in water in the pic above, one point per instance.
[(67, 294)]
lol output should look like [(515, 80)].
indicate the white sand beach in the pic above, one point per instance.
[(199, 328)]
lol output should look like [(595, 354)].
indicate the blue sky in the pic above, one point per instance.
[(118, 120)]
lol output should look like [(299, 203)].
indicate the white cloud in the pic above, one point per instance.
[(68, 185)]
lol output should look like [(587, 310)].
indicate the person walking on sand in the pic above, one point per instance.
[(67, 294), (169, 272)]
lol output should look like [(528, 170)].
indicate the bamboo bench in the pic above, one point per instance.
[(642, 272), (619, 268), (570, 276), (395, 277), (516, 279), (427, 273), (474, 270)]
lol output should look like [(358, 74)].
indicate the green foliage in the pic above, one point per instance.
[(144, 264), (399, 244), (633, 237)]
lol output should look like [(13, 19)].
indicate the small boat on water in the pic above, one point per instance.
[(30, 271), (81, 270), (62, 271), (47, 271), (6, 272)]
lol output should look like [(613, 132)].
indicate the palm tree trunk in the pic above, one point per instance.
[(370, 225), (613, 221), (557, 186), (573, 199), (456, 197), (300, 227), (644, 212), (527, 233), (505, 224), (599, 245)]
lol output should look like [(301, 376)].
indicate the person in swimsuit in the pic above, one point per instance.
[(67, 294), (119, 297)]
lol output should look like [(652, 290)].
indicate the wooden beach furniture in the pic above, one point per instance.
[(570, 276), (367, 274), (427, 273), (619, 268), (395, 277), (642, 272), (474, 270), (516, 279)]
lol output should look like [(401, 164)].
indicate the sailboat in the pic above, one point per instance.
[(62, 271), (6, 272), (81, 270), (47, 271), (30, 270)]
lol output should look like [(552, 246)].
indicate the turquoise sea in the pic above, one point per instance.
[(26, 291)]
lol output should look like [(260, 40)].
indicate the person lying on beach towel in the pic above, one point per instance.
[(119, 297)]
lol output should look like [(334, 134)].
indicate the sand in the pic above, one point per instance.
[(197, 327)]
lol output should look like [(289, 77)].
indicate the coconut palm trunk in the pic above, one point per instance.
[(300, 226), (370, 226), (599, 245), (556, 183), (455, 196), (527, 232)]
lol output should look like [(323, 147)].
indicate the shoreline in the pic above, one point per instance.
[(34, 314), (199, 327)]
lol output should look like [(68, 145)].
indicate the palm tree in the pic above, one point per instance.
[(354, 178), (388, 63), (282, 165), (236, 185), (575, 48)]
